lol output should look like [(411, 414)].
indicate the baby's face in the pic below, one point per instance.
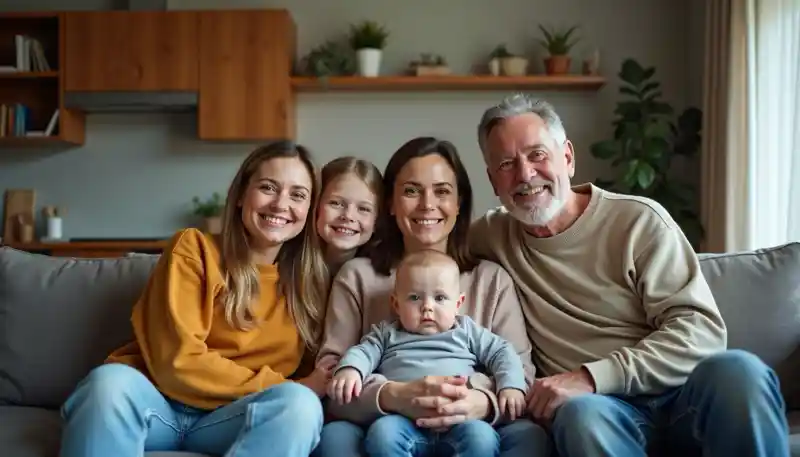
[(426, 299)]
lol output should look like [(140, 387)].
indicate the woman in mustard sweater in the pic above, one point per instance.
[(220, 331)]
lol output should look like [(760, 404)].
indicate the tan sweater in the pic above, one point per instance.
[(619, 292), (359, 298)]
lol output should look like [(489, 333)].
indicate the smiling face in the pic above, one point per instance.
[(529, 169), (427, 295), (425, 202), (347, 213), (276, 203)]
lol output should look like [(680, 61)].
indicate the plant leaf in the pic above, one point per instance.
[(605, 149), (645, 174)]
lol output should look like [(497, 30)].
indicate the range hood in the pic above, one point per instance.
[(133, 101)]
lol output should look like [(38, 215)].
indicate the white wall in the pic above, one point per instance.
[(137, 173)]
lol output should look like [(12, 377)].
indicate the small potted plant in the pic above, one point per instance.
[(558, 45), (505, 62), (210, 211), (430, 65), (368, 39), (498, 54)]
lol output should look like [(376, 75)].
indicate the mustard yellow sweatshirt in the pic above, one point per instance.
[(183, 342)]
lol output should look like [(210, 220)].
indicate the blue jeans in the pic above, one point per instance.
[(397, 436), (117, 411), (731, 405), (521, 438)]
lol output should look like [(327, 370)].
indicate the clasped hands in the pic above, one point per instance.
[(346, 385)]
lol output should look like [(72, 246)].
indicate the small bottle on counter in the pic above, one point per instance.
[(53, 215)]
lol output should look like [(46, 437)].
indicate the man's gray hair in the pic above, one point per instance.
[(515, 105)]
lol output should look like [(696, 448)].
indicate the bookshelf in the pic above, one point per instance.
[(32, 83)]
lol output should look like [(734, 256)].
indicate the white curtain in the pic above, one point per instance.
[(774, 122)]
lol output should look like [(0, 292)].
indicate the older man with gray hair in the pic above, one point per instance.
[(628, 341)]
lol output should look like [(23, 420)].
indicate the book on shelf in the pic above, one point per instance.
[(15, 118), (30, 56)]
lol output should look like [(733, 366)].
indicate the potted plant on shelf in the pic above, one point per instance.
[(430, 65), (558, 46), (368, 39), (331, 58), (505, 62), (210, 211), (648, 137)]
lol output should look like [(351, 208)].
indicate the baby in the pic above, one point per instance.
[(429, 338)]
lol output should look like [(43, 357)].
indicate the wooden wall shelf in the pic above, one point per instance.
[(36, 90), (447, 83)]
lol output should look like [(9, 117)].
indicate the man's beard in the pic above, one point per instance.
[(535, 215)]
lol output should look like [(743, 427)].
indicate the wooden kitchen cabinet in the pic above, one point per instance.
[(131, 50), (245, 75)]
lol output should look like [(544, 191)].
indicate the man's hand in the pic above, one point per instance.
[(345, 386), (547, 394), (511, 402)]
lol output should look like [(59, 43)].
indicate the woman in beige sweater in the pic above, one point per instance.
[(428, 206)]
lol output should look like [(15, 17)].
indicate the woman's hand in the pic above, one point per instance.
[(435, 401), (318, 380)]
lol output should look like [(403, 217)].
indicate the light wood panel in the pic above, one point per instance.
[(245, 67), (447, 83), (131, 50)]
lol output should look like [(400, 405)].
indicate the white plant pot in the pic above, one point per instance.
[(494, 66), (369, 62)]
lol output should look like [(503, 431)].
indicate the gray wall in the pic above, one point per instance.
[(137, 173)]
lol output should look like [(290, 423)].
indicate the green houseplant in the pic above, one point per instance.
[(648, 137), (210, 210), (331, 58), (368, 38), (558, 44)]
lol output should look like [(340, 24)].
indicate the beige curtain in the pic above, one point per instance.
[(726, 98)]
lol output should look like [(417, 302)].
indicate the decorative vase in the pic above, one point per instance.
[(494, 66), (369, 62), (214, 225), (514, 66), (557, 65)]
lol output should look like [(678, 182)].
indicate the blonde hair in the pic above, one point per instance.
[(364, 170), (303, 275)]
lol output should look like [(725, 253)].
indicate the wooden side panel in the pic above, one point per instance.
[(124, 50), (245, 69)]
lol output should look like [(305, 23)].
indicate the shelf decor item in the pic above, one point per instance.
[(331, 58), (368, 39), (507, 63), (210, 211), (558, 44), (430, 65)]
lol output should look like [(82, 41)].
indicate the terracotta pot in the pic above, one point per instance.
[(557, 65), (213, 225)]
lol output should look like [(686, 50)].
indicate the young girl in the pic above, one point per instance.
[(220, 330), (352, 190)]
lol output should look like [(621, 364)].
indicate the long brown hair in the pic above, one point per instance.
[(364, 170), (303, 276), (389, 247)]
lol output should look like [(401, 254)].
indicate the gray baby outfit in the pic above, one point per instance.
[(400, 355)]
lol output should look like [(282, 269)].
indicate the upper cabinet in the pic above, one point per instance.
[(245, 75), (131, 50), (118, 50)]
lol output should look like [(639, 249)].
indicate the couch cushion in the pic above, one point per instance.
[(59, 318), (758, 294)]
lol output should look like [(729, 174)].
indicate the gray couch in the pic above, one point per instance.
[(59, 318)]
